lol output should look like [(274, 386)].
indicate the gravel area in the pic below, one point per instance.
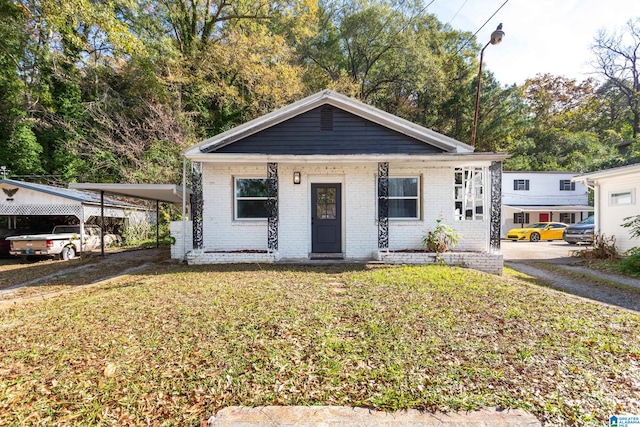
[(620, 296)]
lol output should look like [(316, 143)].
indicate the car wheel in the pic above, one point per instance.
[(68, 253), (535, 237)]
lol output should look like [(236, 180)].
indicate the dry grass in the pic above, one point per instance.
[(173, 346)]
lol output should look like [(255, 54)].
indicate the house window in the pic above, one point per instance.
[(568, 218), (521, 184), (567, 185), (469, 194), (520, 218), (404, 197), (251, 198), (622, 198)]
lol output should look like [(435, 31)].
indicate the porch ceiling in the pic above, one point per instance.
[(449, 159)]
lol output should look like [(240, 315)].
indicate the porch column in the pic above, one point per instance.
[(196, 204), (496, 206), (383, 205), (272, 206)]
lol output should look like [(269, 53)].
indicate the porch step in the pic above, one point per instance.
[(320, 256)]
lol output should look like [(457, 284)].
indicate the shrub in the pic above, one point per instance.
[(633, 222), (441, 238), (603, 248), (630, 264)]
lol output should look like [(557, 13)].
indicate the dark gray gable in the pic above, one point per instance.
[(327, 130)]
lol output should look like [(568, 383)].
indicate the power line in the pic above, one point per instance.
[(457, 12)]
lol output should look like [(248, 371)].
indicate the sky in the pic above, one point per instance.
[(541, 36)]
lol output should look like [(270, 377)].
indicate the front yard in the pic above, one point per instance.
[(178, 343)]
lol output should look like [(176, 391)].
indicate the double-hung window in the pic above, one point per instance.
[(469, 194), (521, 184), (251, 198), (567, 217), (404, 197), (567, 185)]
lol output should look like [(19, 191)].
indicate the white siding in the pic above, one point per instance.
[(359, 226), (609, 218), (544, 189)]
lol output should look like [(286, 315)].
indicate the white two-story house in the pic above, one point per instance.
[(530, 197)]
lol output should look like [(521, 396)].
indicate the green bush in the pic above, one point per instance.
[(630, 264)]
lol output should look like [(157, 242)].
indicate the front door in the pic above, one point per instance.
[(326, 221), (544, 217)]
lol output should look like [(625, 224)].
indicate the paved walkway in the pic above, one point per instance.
[(341, 416)]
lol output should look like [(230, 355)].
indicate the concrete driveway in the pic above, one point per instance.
[(557, 250)]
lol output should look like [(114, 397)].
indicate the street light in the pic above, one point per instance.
[(496, 38)]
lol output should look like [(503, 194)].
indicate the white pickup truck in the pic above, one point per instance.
[(64, 241)]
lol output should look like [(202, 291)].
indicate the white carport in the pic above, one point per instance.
[(166, 193), (28, 199)]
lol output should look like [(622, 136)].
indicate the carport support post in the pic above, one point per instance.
[(102, 222), (157, 223)]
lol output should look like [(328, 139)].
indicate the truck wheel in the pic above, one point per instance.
[(68, 253)]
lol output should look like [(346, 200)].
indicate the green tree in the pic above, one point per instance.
[(19, 148), (618, 61)]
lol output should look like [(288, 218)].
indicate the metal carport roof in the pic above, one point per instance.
[(168, 193)]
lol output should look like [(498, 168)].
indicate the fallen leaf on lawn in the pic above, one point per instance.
[(109, 370)]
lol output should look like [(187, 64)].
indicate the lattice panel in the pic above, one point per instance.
[(42, 210), (383, 205)]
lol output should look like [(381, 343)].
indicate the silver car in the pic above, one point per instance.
[(581, 232)]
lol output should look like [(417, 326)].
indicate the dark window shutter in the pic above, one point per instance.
[(326, 119), (515, 184), (561, 185), (526, 184)]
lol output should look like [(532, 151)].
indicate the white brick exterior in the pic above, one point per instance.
[(221, 232), (490, 263), (181, 244)]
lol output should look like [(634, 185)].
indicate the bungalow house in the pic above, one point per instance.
[(331, 177), (615, 198)]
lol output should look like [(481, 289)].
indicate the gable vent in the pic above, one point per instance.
[(326, 119)]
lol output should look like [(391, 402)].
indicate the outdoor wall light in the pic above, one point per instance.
[(296, 177)]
